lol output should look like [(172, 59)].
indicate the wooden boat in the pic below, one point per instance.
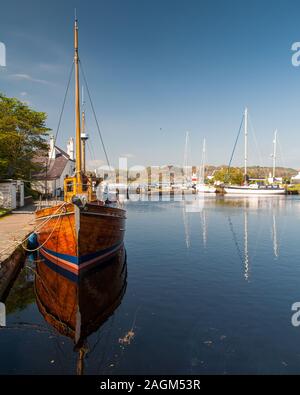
[(81, 231), (76, 309)]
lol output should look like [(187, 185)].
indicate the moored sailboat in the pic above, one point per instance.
[(82, 231), (201, 186), (252, 189)]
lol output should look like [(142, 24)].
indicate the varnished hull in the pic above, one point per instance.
[(73, 240)]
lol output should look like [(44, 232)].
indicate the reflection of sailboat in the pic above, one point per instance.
[(243, 255), (186, 226), (78, 308), (246, 251), (201, 186), (274, 236), (204, 228)]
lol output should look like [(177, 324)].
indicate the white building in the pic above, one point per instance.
[(296, 179), (11, 194), (56, 166)]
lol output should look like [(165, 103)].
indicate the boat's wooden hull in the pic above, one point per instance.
[(73, 239)]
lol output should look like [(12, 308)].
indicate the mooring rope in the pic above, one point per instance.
[(42, 245), (234, 147), (21, 242)]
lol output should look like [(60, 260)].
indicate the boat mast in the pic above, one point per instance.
[(274, 153), (84, 136), (246, 144), (202, 174), (185, 159), (83, 142), (77, 110)]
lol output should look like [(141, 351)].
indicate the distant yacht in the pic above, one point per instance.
[(254, 189), (201, 186)]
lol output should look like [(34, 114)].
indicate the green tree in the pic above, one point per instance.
[(23, 134), (234, 175)]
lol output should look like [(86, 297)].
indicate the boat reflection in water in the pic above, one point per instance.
[(77, 308)]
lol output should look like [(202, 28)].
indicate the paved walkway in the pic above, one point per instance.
[(14, 227)]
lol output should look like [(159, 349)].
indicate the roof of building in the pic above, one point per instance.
[(53, 168)]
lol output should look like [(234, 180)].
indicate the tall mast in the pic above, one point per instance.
[(185, 160), (84, 136), (274, 153), (83, 142), (202, 170), (246, 142), (77, 108)]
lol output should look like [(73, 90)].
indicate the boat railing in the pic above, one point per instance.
[(46, 203)]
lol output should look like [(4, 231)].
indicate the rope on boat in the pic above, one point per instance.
[(51, 233), (21, 242), (235, 143)]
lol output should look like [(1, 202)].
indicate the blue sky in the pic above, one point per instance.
[(159, 68)]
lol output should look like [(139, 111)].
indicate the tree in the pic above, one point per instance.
[(234, 175), (22, 137)]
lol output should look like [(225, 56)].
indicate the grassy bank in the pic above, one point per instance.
[(3, 211)]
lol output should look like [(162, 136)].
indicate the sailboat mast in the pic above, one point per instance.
[(246, 143), (274, 153), (185, 159), (77, 109), (202, 169), (204, 149)]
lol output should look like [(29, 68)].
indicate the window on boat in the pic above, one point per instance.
[(69, 186), (85, 187)]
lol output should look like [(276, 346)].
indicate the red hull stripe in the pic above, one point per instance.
[(59, 261), (73, 267)]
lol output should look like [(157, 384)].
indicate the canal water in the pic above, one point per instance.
[(209, 289)]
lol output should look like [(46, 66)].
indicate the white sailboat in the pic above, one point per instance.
[(201, 186), (254, 189)]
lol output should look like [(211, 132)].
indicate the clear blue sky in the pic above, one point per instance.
[(158, 68)]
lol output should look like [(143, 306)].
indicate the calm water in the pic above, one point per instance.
[(209, 290)]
